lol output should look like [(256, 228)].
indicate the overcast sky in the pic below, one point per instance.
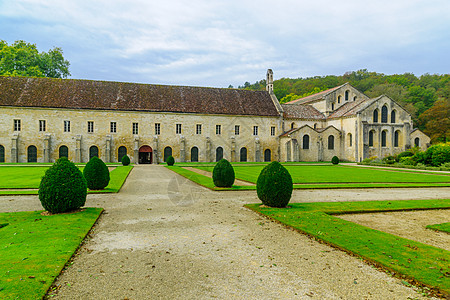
[(217, 43)]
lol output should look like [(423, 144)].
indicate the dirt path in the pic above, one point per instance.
[(209, 174), (164, 237)]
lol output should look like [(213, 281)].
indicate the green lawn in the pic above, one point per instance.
[(26, 177), (445, 227), (35, 248), (303, 174), (426, 264), (325, 176)]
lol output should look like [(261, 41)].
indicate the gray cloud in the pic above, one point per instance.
[(215, 43)]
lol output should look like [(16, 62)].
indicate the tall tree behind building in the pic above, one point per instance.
[(23, 59)]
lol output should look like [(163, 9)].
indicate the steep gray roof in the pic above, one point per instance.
[(89, 94), (302, 112)]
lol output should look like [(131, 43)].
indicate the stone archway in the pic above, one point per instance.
[(145, 155)]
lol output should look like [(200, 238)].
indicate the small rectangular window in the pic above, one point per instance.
[(17, 125), (90, 126), (42, 125), (178, 128), (135, 128), (272, 131), (255, 130), (157, 128), (113, 127), (218, 129), (199, 129), (236, 130), (66, 126)]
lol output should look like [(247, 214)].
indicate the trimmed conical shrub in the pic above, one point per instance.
[(96, 174), (335, 160), (125, 160), (223, 174), (274, 185), (63, 187), (170, 161)]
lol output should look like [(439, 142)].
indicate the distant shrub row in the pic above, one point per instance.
[(436, 157)]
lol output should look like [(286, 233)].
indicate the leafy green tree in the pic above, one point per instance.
[(23, 59), (437, 121)]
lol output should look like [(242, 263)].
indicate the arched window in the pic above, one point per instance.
[(393, 116), (121, 152), (354, 98), (347, 92), (383, 138), (332, 106), (267, 155), (63, 151), (32, 154), (219, 153), (243, 154), (305, 144), (371, 138), (416, 142), (339, 99), (330, 142), (396, 137), (292, 125), (384, 114), (350, 141), (315, 125), (2, 154), (167, 153), (93, 151), (375, 116), (194, 154)]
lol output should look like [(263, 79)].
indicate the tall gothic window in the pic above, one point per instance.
[(371, 138), (330, 142), (384, 114), (383, 138), (393, 116), (305, 142), (375, 116)]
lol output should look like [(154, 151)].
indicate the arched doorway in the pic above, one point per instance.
[(167, 153), (267, 155), (121, 152), (93, 151), (219, 153), (243, 154), (63, 151), (145, 154), (2, 153), (194, 154), (32, 154)]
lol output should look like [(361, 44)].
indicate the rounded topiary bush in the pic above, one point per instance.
[(335, 160), (125, 160), (96, 174), (170, 161), (63, 187), (274, 185), (223, 174)]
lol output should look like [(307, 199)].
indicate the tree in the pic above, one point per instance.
[(437, 121), (23, 59)]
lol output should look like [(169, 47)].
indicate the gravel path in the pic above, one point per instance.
[(164, 237)]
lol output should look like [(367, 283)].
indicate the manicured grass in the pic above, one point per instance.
[(30, 178), (445, 227), (35, 248), (341, 174), (426, 264), (368, 177)]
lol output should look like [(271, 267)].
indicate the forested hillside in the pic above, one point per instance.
[(426, 98)]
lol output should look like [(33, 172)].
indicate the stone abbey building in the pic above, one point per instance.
[(42, 119)]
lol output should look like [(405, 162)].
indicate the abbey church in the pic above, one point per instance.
[(42, 119)]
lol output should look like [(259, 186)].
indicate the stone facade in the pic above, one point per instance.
[(44, 119)]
